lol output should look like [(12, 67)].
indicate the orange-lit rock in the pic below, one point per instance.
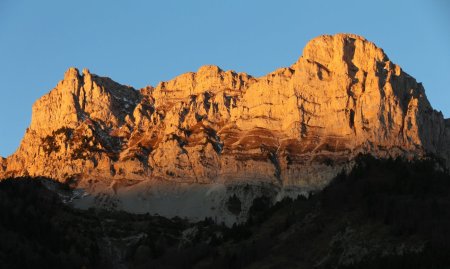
[(297, 126)]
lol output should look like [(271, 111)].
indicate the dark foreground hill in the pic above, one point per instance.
[(383, 214)]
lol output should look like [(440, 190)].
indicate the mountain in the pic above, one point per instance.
[(208, 143), (381, 214)]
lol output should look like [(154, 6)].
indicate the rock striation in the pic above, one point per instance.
[(296, 127)]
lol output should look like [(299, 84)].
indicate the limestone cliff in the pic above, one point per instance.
[(298, 126)]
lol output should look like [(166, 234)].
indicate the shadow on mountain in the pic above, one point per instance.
[(383, 214)]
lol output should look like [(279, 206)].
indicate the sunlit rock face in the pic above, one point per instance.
[(293, 129)]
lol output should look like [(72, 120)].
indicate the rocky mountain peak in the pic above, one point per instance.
[(208, 78), (86, 72), (209, 70), (293, 129), (80, 97), (343, 48), (71, 74)]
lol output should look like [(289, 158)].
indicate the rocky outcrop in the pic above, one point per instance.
[(3, 164), (296, 127), (69, 134)]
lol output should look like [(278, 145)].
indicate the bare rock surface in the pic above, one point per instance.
[(203, 133)]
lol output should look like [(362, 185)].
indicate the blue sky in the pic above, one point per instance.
[(140, 43)]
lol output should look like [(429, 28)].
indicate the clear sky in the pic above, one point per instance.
[(140, 43)]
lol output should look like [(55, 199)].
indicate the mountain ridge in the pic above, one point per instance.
[(296, 127)]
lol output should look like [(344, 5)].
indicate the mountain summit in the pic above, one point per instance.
[(212, 135)]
